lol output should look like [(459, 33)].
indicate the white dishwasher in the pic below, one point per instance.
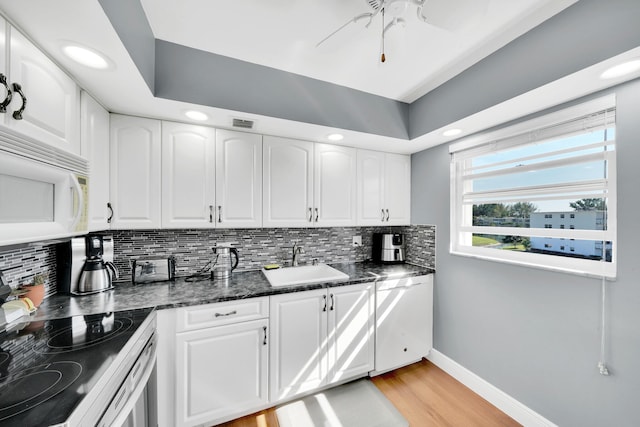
[(404, 322)]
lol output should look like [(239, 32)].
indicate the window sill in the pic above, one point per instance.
[(535, 265)]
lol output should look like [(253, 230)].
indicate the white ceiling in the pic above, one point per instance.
[(283, 34)]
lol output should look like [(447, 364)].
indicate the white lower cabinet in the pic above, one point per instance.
[(213, 362), (320, 337), (404, 321), (221, 371), (217, 362)]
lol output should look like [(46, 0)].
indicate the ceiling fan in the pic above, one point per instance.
[(447, 14)]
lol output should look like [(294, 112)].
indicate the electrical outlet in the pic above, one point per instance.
[(357, 241)]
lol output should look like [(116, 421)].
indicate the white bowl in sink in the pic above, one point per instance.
[(303, 274)]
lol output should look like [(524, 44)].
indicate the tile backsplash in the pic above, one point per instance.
[(21, 263), (256, 247)]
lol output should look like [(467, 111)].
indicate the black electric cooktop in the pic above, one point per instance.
[(48, 367)]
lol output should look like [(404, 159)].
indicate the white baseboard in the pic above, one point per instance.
[(507, 404)]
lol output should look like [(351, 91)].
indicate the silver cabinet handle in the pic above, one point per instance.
[(110, 212), (210, 213), (332, 303), (226, 314), (264, 328), (310, 215), (219, 213), (382, 219), (324, 297), (316, 214), (387, 215)]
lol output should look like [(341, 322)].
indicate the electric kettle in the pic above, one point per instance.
[(223, 265)]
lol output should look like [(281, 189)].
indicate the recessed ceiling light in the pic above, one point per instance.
[(86, 56), (335, 137), (196, 115), (452, 132), (621, 69)]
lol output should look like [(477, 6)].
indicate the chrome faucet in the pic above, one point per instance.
[(297, 250)]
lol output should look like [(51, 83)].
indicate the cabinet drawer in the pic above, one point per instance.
[(404, 282), (204, 316)]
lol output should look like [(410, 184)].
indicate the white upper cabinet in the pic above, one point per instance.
[(334, 185), (287, 182), (307, 184), (238, 180), (135, 151), (188, 176), (94, 126), (46, 101), (397, 192), (384, 188)]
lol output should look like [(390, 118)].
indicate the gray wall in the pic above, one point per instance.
[(584, 34), (534, 333)]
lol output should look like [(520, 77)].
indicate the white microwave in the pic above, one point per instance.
[(42, 197)]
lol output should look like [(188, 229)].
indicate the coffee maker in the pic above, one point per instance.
[(85, 265), (388, 248)]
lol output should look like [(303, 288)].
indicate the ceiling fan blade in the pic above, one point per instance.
[(352, 20), (394, 21), (451, 14), (375, 12)]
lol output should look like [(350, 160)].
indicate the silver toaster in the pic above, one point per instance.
[(153, 269)]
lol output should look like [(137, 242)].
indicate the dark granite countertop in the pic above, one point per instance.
[(181, 292)]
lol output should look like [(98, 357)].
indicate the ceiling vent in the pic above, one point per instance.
[(242, 123)]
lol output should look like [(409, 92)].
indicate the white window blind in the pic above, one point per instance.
[(520, 194)]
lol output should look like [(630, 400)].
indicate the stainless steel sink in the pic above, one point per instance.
[(303, 274)]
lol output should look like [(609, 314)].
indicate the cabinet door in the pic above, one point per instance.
[(53, 107), (334, 186), (404, 322), (288, 183), (371, 188), (188, 176), (238, 179), (298, 343), (397, 191), (221, 372), (135, 172), (351, 329), (94, 126)]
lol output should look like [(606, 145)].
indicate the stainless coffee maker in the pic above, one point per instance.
[(388, 248), (85, 265), (222, 264)]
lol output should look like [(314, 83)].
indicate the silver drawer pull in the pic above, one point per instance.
[(226, 314)]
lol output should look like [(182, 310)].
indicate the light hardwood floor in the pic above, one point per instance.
[(425, 395)]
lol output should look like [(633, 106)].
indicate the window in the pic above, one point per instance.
[(508, 185)]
